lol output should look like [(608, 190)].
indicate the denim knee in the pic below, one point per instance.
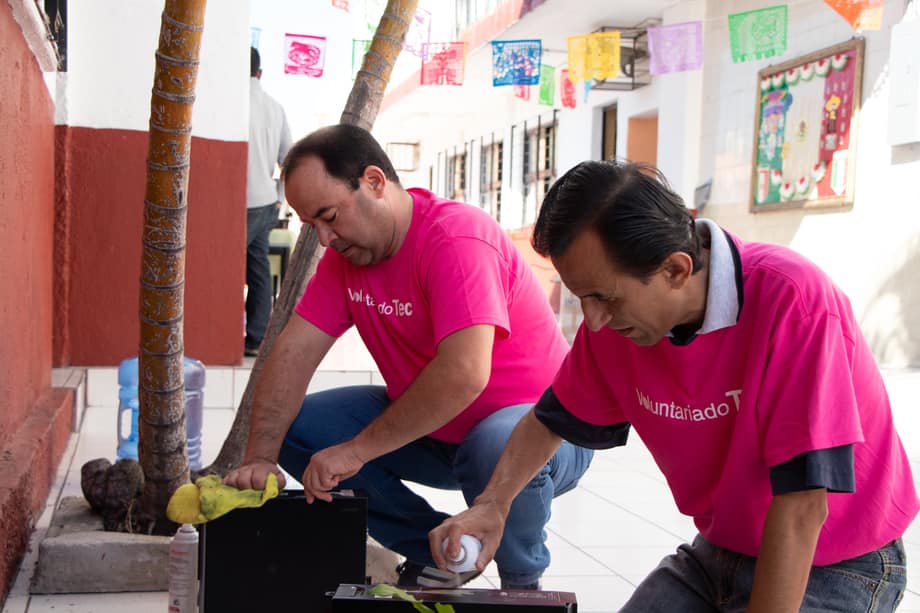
[(480, 450), (328, 418), (871, 582)]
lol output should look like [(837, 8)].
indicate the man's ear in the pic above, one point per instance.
[(677, 268), (376, 179)]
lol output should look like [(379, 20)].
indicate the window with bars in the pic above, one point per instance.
[(490, 178), (539, 167), (404, 156), (456, 177), (468, 12), (56, 13)]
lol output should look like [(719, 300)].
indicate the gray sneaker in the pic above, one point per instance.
[(412, 574)]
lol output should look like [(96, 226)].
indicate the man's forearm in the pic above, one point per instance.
[(444, 388), (529, 448), (787, 551), (281, 388), (273, 412)]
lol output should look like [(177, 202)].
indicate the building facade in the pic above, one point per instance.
[(500, 152)]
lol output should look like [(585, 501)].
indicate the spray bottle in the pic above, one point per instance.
[(183, 570), (470, 547)]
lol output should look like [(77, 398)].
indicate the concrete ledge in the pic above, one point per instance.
[(27, 469), (78, 556), (73, 379)]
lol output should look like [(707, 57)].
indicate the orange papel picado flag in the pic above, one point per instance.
[(860, 14)]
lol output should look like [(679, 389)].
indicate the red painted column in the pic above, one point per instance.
[(26, 227), (104, 197), (34, 420)]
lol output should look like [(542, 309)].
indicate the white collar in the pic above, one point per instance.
[(722, 297)]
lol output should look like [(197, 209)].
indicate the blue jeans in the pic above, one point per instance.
[(259, 223), (400, 519), (702, 577)]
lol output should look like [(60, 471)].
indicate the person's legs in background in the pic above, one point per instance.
[(259, 223), (522, 556)]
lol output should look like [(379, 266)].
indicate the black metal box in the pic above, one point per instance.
[(350, 598), (284, 556)]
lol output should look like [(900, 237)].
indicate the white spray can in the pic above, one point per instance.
[(470, 547), (183, 570)]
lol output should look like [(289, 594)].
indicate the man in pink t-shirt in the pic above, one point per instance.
[(744, 371), (462, 335)]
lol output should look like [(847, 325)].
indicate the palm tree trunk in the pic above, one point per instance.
[(360, 110), (370, 83), (161, 390)]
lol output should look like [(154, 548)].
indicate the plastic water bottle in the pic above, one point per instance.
[(194, 409), (128, 408), (470, 547), (183, 570)]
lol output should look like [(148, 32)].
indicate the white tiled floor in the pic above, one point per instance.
[(604, 536)]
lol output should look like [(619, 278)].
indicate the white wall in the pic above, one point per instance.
[(871, 251), (110, 65), (309, 102), (681, 113), (581, 127)]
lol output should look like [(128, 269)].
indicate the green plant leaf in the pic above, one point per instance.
[(389, 591)]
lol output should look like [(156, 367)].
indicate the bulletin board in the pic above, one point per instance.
[(805, 127)]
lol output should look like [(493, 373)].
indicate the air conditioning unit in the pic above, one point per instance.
[(634, 58)]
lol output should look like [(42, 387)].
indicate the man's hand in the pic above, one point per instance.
[(484, 520), (251, 476), (531, 446), (328, 468)]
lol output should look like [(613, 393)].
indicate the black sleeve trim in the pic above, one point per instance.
[(823, 468), (555, 417)]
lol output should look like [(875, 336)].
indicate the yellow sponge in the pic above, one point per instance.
[(208, 498)]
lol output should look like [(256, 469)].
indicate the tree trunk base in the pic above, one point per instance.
[(114, 492)]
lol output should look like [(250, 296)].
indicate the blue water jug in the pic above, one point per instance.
[(128, 409)]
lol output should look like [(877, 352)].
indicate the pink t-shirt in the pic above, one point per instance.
[(455, 269), (793, 375)]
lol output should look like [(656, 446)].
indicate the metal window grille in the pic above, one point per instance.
[(56, 16), (539, 163), (456, 176), (490, 177)]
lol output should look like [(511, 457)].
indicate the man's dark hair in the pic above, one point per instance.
[(630, 206), (345, 152), (255, 62)]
